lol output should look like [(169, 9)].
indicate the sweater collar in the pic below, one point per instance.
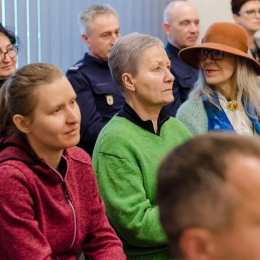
[(18, 149), (129, 113)]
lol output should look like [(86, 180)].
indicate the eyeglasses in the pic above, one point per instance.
[(215, 54), (12, 52), (251, 12)]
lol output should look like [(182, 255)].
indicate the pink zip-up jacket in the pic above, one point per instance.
[(46, 214)]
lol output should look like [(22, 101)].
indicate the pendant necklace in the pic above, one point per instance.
[(232, 105)]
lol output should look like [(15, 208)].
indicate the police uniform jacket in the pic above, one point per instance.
[(98, 97)]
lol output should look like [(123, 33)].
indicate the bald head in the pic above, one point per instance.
[(181, 24)]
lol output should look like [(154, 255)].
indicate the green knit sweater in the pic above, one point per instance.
[(126, 158)]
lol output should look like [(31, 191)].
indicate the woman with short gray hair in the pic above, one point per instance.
[(131, 146)]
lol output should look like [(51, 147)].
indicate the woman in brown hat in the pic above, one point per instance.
[(226, 96)]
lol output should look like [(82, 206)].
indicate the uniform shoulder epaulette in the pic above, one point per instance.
[(76, 67)]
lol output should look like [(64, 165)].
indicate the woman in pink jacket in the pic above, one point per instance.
[(48, 193)]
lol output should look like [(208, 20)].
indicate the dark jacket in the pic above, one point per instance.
[(184, 79), (98, 97)]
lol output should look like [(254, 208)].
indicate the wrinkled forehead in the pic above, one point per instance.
[(153, 54), (104, 21)]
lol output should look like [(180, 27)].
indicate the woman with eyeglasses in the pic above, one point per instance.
[(247, 14), (226, 96), (8, 53)]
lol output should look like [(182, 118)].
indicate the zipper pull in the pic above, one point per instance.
[(64, 185)]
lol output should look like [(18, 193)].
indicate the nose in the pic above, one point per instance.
[(194, 27), (209, 58), (169, 76), (114, 38), (73, 114), (6, 57)]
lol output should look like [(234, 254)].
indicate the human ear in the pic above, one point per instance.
[(128, 81), (22, 123), (236, 18), (86, 39), (166, 28), (196, 243)]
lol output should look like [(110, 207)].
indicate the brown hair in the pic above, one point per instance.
[(17, 95), (9, 34), (192, 180), (236, 5)]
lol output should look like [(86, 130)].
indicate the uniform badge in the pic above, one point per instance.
[(110, 100)]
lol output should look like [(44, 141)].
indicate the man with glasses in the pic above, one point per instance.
[(181, 25), (247, 14)]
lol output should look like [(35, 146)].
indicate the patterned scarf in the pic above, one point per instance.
[(218, 120)]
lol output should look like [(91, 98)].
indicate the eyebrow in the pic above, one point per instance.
[(190, 21), (62, 104), (160, 62), (118, 29), (250, 9), (7, 46)]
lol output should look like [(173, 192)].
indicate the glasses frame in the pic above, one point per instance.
[(250, 12), (14, 48), (211, 52)]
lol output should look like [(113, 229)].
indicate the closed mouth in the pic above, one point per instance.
[(72, 131)]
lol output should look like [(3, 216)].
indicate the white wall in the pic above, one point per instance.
[(211, 11)]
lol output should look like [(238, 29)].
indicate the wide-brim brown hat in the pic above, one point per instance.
[(223, 36)]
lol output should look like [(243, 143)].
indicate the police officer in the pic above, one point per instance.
[(98, 96)]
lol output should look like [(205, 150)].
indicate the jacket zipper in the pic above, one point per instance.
[(65, 190), (67, 198)]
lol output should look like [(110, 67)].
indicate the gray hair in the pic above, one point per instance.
[(244, 81), (127, 52), (87, 16)]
